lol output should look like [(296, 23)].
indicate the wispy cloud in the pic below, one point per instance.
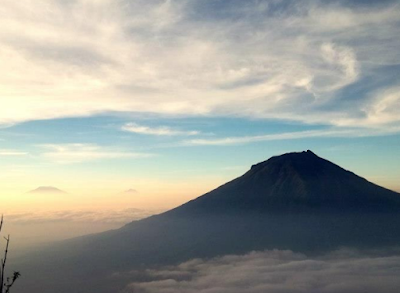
[(12, 153), (354, 132), (78, 152), (258, 59), (385, 107), (159, 131)]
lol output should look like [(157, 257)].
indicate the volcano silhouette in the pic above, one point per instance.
[(295, 181), (295, 201)]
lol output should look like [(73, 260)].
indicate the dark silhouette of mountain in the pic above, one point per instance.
[(47, 190), (295, 181), (296, 201)]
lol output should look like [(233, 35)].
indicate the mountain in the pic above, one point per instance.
[(295, 181), (130, 191), (295, 201), (47, 190)]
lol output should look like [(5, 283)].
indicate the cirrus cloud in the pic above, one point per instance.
[(79, 152), (12, 153), (159, 131), (344, 132), (264, 59)]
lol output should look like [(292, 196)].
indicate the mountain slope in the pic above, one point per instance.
[(296, 201), (296, 181)]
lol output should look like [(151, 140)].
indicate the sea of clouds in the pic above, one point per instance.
[(278, 271)]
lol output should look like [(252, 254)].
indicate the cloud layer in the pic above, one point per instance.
[(325, 62), (277, 272), (114, 216)]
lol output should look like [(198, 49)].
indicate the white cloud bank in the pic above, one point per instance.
[(84, 57), (277, 272)]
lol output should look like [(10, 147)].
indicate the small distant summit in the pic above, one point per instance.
[(130, 191), (47, 190)]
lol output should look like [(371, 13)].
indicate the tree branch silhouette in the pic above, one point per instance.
[(6, 282)]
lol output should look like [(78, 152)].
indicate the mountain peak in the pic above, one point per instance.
[(287, 156), (47, 190), (296, 180)]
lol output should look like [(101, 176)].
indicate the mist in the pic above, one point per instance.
[(32, 230)]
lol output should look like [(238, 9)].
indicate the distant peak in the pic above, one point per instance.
[(47, 189), (130, 191)]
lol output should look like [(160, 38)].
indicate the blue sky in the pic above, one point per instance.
[(174, 97), (107, 147)]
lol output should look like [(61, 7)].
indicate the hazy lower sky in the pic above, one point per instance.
[(173, 98)]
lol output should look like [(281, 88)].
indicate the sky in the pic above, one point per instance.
[(145, 104)]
